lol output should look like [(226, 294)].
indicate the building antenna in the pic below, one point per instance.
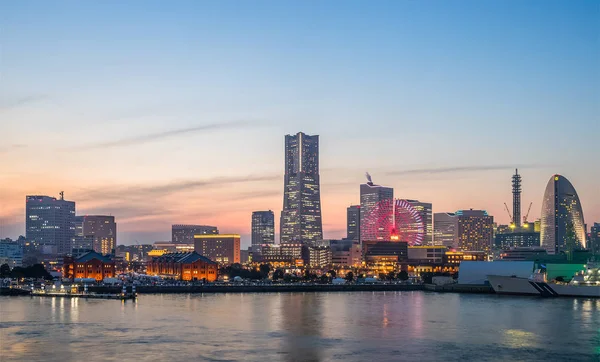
[(369, 179), (62, 195)]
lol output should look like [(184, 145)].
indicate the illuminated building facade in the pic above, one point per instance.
[(455, 257), (301, 214), (90, 265), (263, 229), (426, 254), (562, 226), (50, 223), (99, 230), (475, 230), (394, 220), (371, 195), (516, 239), (222, 248), (183, 266), (185, 233), (286, 254), (174, 247), (353, 222), (384, 251), (445, 229), (595, 239), (423, 224), (316, 256), (11, 253)]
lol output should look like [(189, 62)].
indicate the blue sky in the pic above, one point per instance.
[(389, 85)]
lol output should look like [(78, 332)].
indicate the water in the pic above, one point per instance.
[(390, 326)]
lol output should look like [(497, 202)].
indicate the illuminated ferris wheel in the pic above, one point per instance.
[(394, 220)]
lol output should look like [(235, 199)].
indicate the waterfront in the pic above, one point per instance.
[(384, 326)]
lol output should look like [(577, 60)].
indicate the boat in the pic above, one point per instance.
[(585, 283)]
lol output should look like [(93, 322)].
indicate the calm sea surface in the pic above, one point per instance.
[(381, 326)]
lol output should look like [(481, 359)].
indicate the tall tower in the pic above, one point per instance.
[(50, 223), (353, 222), (370, 195), (516, 190), (301, 214)]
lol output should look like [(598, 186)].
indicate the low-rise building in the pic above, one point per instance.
[(286, 254), (89, 265), (187, 266), (317, 256), (455, 257), (345, 253), (523, 253)]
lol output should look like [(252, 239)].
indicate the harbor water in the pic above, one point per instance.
[(361, 326)]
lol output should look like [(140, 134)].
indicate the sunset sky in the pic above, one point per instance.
[(164, 112)]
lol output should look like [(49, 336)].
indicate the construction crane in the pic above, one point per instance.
[(527, 214), (512, 223)]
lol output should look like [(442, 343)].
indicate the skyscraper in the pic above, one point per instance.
[(475, 230), (184, 234), (516, 191), (301, 214), (562, 226), (425, 211), (263, 229), (353, 222), (445, 229), (50, 223), (370, 195), (99, 230), (595, 239)]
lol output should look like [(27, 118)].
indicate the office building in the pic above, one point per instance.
[(517, 239), (353, 222), (345, 253), (384, 254), (188, 266), (475, 230), (445, 229), (370, 195), (562, 228), (50, 223), (89, 265), (422, 225), (523, 253), (263, 229), (301, 214), (426, 254), (11, 253), (286, 254), (455, 257), (222, 248), (316, 256), (595, 239), (185, 233), (98, 230)]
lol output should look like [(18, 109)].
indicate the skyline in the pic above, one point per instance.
[(169, 117)]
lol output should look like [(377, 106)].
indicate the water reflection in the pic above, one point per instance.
[(301, 319)]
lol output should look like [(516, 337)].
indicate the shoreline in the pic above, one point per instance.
[(208, 289)]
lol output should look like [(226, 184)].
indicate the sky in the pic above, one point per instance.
[(163, 112)]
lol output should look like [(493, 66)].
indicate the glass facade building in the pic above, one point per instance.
[(445, 229), (562, 227), (301, 215), (263, 229), (353, 222), (370, 196), (50, 223)]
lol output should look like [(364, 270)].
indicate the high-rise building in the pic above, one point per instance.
[(595, 239), (185, 233), (353, 222), (98, 230), (50, 223), (301, 214), (425, 225), (263, 229), (562, 228), (11, 253), (222, 248), (475, 230), (445, 229), (370, 195)]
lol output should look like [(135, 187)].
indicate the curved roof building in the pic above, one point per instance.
[(561, 210)]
